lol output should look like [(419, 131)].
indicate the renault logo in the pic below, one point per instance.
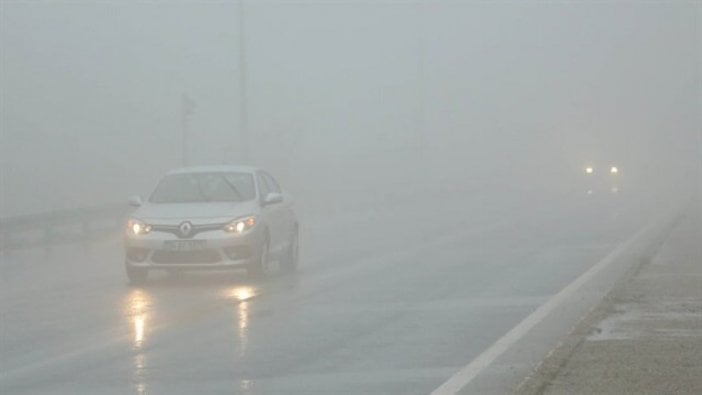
[(185, 228)]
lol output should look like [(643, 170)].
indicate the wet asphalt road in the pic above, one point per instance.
[(392, 301)]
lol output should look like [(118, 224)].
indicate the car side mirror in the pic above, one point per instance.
[(135, 201), (272, 198)]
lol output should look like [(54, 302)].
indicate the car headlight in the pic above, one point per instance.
[(241, 225), (614, 170), (137, 228)]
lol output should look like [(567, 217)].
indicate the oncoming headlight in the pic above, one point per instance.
[(240, 225), (137, 228)]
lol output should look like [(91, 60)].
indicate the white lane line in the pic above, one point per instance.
[(475, 367)]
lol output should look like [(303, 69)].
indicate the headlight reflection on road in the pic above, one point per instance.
[(243, 317), (246, 385), (137, 309), (243, 327), (139, 323), (243, 296), (138, 303)]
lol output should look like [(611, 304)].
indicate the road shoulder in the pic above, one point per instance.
[(645, 336)]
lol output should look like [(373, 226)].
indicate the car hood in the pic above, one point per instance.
[(206, 212)]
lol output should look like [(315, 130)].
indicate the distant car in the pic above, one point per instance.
[(607, 180), (214, 217)]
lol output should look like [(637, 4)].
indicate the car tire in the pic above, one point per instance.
[(292, 255), (262, 266), (136, 275)]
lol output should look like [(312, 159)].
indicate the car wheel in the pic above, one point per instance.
[(262, 266), (292, 255), (136, 275)]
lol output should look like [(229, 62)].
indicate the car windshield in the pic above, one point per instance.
[(204, 187)]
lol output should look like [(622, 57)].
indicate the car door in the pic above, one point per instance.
[(272, 214), (285, 212)]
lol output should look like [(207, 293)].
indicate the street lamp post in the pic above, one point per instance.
[(243, 99), (187, 106)]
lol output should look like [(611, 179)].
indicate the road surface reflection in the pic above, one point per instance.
[(138, 305), (149, 314)]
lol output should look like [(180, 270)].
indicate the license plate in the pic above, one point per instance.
[(184, 245)]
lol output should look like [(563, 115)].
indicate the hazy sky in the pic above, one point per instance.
[(342, 95)]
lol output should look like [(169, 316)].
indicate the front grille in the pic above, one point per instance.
[(202, 256), (175, 229)]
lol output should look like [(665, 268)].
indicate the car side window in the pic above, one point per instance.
[(272, 184), (263, 185)]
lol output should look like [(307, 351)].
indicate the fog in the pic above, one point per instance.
[(471, 180), (357, 99)]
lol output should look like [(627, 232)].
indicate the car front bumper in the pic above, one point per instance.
[(215, 250)]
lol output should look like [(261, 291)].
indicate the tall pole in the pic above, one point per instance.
[(243, 99), (186, 109), (420, 151)]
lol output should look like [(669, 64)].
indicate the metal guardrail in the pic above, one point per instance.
[(87, 224), (61, 226), (97, 222)]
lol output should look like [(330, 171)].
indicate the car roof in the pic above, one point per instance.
[(214, 169)]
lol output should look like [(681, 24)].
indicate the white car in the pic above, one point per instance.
[(213, 217)]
